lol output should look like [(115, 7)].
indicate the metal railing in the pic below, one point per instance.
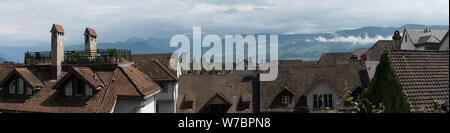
[(101, 56), (38, 58)]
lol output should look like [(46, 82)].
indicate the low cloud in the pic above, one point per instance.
[(30, 20), (355, 40)]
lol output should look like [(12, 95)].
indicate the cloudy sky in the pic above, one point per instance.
[(27, 22)]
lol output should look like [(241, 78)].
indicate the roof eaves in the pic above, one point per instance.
[(166, 69)]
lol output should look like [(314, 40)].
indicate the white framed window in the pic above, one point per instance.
[(12, 87), (68, 89), (78, 87), (323, 101), (29, 90), (285, 99), (20, 86)]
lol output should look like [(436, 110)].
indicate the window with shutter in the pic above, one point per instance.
[(20, 86), (88, 90), (68, 89), (285, 99), (78, 87), (330, 101), (12, 87), (320, 101), (315, 104), (29, 91)]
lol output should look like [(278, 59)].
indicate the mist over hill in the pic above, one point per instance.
[(291, 46)]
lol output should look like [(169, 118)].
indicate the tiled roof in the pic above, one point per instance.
[(156, 65), (304, 77), (428, 39), (360, 51), (88, 75), (202, 88), (49, 99), (25, 73), (5, 69), (415, 34), (29, 77), (424, 77), (91, 32), (57, 28), (337, 58), (374, 52), (143, 83)]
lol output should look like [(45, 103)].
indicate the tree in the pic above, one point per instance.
[(385, 90)]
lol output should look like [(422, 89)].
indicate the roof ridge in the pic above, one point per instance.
[(107, 90), (418, 50)]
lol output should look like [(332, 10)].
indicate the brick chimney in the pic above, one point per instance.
[(57, 41), (397, 40), (90, 40)]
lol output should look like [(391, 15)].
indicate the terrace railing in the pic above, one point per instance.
[(38, 58), (101, 56)]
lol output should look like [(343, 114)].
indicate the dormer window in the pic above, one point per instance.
[(286, 96), (19, 87), (285, 99), (187, 104), (79, 82), (323, 101), (21, 81), (77, 87)]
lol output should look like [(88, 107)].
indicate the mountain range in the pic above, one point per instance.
[(291, 46), (3, 60)]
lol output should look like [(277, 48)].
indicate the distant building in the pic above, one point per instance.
[(412, 39), (371, 57), (86, 81), (424, 39), (157, 67), (340, 58)]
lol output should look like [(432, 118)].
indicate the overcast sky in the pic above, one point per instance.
[(27, 22)]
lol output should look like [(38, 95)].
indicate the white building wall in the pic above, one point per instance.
[(166, 100), (444, 46), (135, 106), (406, 43), (127, 106), (149, 106), (165, 107), (167, 95), (175, 99), (322, 88)]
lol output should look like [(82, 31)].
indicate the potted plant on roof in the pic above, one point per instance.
[(72, 58), (112, 56)]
